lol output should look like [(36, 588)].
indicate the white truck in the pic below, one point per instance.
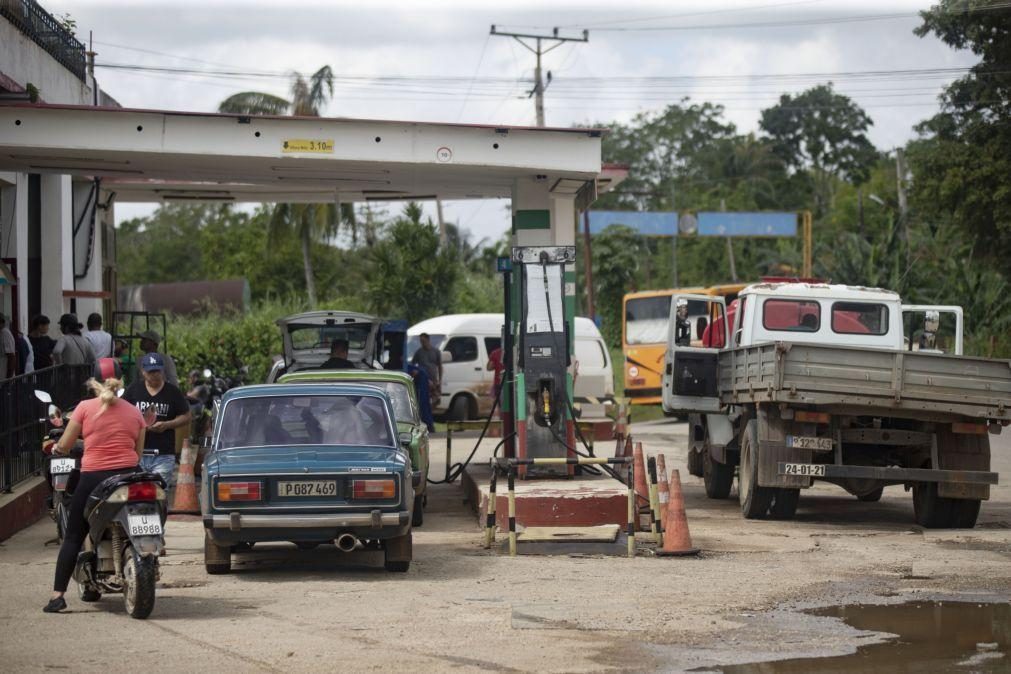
[(805, 381)]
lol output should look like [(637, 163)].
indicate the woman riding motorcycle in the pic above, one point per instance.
[(113, 432)]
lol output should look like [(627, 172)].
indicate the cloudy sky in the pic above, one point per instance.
[(436, 60)]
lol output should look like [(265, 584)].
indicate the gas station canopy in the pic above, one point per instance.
[(158, 156)]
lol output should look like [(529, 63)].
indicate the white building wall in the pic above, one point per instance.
[(24, 61)]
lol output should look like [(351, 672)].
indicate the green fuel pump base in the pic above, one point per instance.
[(542, 383)]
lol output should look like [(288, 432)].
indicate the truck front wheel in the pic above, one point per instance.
[(964, 512), (755, 500), (718, 477), (931, 511)]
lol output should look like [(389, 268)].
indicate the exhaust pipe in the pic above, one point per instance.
[(347, 542)]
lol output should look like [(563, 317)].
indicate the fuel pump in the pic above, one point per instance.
[(542, 411)]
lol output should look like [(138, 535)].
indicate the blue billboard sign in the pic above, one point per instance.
[(655, 223), (747, 224)]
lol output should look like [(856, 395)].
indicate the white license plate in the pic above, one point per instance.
[(144, 525), (307, 488), (804, 469), (808, 442), (60, 466)]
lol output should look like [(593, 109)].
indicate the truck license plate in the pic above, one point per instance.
[(307, 488), (144, 525), (803, 469), (60, 466), (808, 442)]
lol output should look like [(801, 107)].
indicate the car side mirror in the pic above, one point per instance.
[(405, 439), (43, 396), (447, 357), (384, 357), (55, 416)]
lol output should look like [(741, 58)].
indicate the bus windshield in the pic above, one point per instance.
[(646, 318)]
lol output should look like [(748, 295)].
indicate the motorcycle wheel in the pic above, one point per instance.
[(87, 594), (139, 574)]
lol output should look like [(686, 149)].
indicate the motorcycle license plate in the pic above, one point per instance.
[(60, 466), (808, 442), (144, 525), (307, 488)]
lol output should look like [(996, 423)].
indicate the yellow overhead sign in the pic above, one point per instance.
[(317, 145)]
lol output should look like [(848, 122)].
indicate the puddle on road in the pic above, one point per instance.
[(931, 636)]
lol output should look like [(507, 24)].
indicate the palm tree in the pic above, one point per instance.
[(308, 222)]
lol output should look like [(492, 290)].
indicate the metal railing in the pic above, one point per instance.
[(46, 31), (22, 415)]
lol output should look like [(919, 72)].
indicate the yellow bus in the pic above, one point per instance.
[(644, 335)]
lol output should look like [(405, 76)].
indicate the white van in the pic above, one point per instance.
[(467, 339)]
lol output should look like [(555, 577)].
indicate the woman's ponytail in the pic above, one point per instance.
[(105, 391)]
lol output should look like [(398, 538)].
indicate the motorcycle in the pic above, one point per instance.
[(126, 516), (58, 469)]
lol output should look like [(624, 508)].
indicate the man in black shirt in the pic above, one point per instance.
[(338, 357), (165, 408)]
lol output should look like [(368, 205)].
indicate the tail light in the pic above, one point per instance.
[(142, 491), (373, 489), (812, 417), (965, 428), (240, 491)]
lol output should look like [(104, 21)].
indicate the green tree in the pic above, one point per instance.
[(821, 134), (962, 160), (307, 222), (616, 254), (410, 276)]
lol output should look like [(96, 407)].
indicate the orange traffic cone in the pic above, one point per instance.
[(662, 490), (185, 500), (676, 539)]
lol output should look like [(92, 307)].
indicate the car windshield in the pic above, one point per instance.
[(360, 420), (320, 337)]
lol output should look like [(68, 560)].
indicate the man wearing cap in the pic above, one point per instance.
[(149, 341), (164, 408), (72, 348)]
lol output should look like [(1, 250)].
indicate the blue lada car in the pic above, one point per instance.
[(309, 464)]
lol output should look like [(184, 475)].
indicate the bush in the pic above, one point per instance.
[(225, 342)]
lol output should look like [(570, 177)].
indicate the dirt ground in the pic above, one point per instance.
[(463, 608)]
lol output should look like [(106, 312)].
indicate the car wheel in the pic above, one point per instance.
[(217, 558), (418, 517), (459, 409), (397, 553)]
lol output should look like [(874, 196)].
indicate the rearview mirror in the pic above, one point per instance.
[(405, 439), (43, 396)]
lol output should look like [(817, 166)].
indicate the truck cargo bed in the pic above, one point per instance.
[(894, 383)]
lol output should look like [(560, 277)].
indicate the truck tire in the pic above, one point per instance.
[(755, 500), (964, 512), (217, 558), (784, 504), (718, 477), (695, 466), (931, 511), (871, 496)]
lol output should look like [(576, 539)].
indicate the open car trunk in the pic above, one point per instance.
[(307, 338)]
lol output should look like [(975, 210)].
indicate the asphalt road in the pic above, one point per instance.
[(463, 608)]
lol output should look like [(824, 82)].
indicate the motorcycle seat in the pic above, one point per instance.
[(107, 486)]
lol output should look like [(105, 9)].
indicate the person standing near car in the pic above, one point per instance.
[(101, 341), (165, 409), (113, 433), (429, 358), (72, 348)]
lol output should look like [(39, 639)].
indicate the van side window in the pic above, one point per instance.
[(464, 349), (492, 343)]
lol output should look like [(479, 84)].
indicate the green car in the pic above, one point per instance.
[(399, 386)]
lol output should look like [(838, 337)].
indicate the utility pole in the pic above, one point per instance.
[(538, 50), (900, 176)]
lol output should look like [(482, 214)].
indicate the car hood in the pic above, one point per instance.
[(308, 459)]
